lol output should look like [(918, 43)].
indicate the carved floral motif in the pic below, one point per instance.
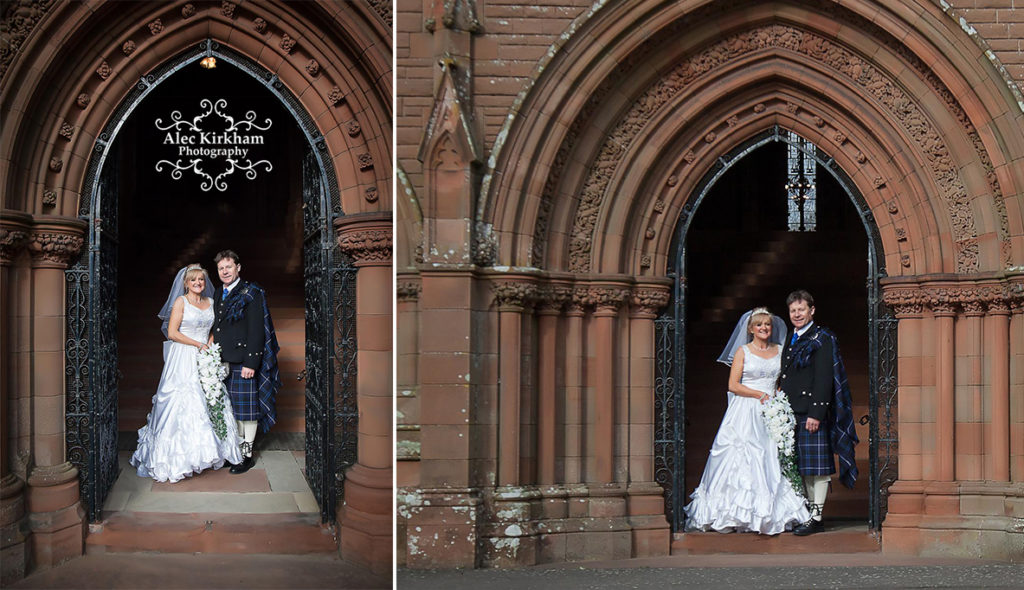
[(11, 242), (56, 164), (353, 128), (313, 68), (287, 43), (66, 131), (408, 290), (336, 95), (649, 301), (513, 293), (260, 25), (54, 247), (83, 100), (49, 198), (128, 47), (156, 26), (103, 71), (366, 245), (227, 9), (365, 161), (371, 194)]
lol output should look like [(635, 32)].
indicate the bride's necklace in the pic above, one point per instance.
[(759, 349), (195, 301)]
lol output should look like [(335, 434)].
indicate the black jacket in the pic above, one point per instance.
[(240, 341), (809, 388)]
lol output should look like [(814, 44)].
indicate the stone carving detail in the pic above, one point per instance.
[(408, 290), (485, 245), (553, 298), (156, 27), (839, 137), (313, 68), (905, 302), (54, 248), (56, 164), (260, 25), (188, 11), (66, 131), (513, 293), (689, 156), (650, 233), (645, 261), (103, 71), (371, 194), (83, 100), (608, 298), (11, 242), (860, 157), (227, 9), (908, 114), (759, 108), (49, 198), (336, 96), (710, 137), (878, 182), (818, 121), (287, 43), (905, 261), (792, 108), (973, 307), (732, 121), (128, 47), (893, 207), (353, 128), (366, 246), (659, 206), (649, 301), (901, 234), (365, 161), (20, 17), (672, 180), (383, 10)]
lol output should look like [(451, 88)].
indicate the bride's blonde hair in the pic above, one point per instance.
[(756, 313), (191, 271)]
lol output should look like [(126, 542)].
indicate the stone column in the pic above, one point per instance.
[(945, 420), (56, 517), (366, 516), (574, 383), (998, 444), (608, 301), (15, 228), (511, 298), (908, 308), (548, 312), (969, 460)]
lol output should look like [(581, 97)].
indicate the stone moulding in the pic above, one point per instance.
[(954, 295), (575, 294)]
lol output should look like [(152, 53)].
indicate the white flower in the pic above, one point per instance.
[(211, 376)]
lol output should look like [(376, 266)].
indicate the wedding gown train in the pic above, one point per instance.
[(178, 439), (742, 488)]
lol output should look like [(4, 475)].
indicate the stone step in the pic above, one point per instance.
[(839, 537), (282, 533)]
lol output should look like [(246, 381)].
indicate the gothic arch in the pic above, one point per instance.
[(320, 57), (575, 191)]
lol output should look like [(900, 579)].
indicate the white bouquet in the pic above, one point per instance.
[(211, 375), (781, 424)]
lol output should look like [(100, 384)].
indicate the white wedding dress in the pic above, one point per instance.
[(742, 488), (178, 439)]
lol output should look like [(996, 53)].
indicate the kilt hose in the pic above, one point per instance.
[(244, 394), (813, 449)]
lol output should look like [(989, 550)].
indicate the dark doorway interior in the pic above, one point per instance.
[(165, 224), (739, 254)]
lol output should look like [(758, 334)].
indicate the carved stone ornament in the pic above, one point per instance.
[(552, 298), (608, 299), (905, 302), (54, 248), (901, 234), (383, 9), (287, 43), (365, 161), (11, 242), (659, 206), (56, 164), (485, 244), (103, 71), (649, 301), (83, 100), (313, 68), (860, 157), (371, 194), (129, 47), (260, 25), (672, 180), (645, 261), (792, 108), (878, 182), (839, 137), (49, 198), (893, 207), (66, 131), (689, 156), (710, 137), (367, 246), (819, 122), (336, 96), (905, 260), (759, 108), (353, 128), (20, 19), (732, 121), (227, 9), (513, 293), (408, 290), (650, 233), (188, 11), (156, 27)]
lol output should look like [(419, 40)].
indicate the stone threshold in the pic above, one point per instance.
[(838, 537)]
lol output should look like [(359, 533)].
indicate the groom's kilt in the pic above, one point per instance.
[(244, 394), (813, 450)]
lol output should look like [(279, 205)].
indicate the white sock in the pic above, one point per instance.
[(817, 490), (248, 427)]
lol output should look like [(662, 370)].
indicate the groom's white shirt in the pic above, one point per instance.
[(228, 288), (801, 331)]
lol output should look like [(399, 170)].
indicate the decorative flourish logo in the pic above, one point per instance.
[(210, 137)]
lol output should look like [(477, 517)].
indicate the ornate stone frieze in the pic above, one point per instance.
[(12, 240), (516, 294), (553, 298), (51, 247), (968, 298), (408, 290), (366, 245), (608, 299), (905, 302), (383, 10), (648, 301), (19, 18), (904, 109)]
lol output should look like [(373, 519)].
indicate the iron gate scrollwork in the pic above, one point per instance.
[(330, 348), (91, 373), (670, 354)]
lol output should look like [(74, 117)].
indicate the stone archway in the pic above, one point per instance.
[(59, 98)]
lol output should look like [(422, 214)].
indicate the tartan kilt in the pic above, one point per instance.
[(813, 450), (244, 394)]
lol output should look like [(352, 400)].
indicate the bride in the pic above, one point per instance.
[(743, 488), (178, 438)]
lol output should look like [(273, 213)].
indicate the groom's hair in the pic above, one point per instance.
[(226, 254), (798, 295)]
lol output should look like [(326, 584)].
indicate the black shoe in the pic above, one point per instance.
[(809, 528), (244, 466)]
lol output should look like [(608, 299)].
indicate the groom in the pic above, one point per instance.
[(814, 380), (245, 332)]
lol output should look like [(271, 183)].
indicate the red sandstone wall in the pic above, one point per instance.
[(1001, 25)]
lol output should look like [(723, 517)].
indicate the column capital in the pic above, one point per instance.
[(408, 290), (608, 299), (366, 237), (15, 228), (55, 241), (512, 295), (648, 300), (552, 299)]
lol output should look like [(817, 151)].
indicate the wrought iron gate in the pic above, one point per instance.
[(91, 350), (670, 354), (330, 347)]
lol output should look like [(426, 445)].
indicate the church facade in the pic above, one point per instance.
[(73, 74), (550, 159)]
